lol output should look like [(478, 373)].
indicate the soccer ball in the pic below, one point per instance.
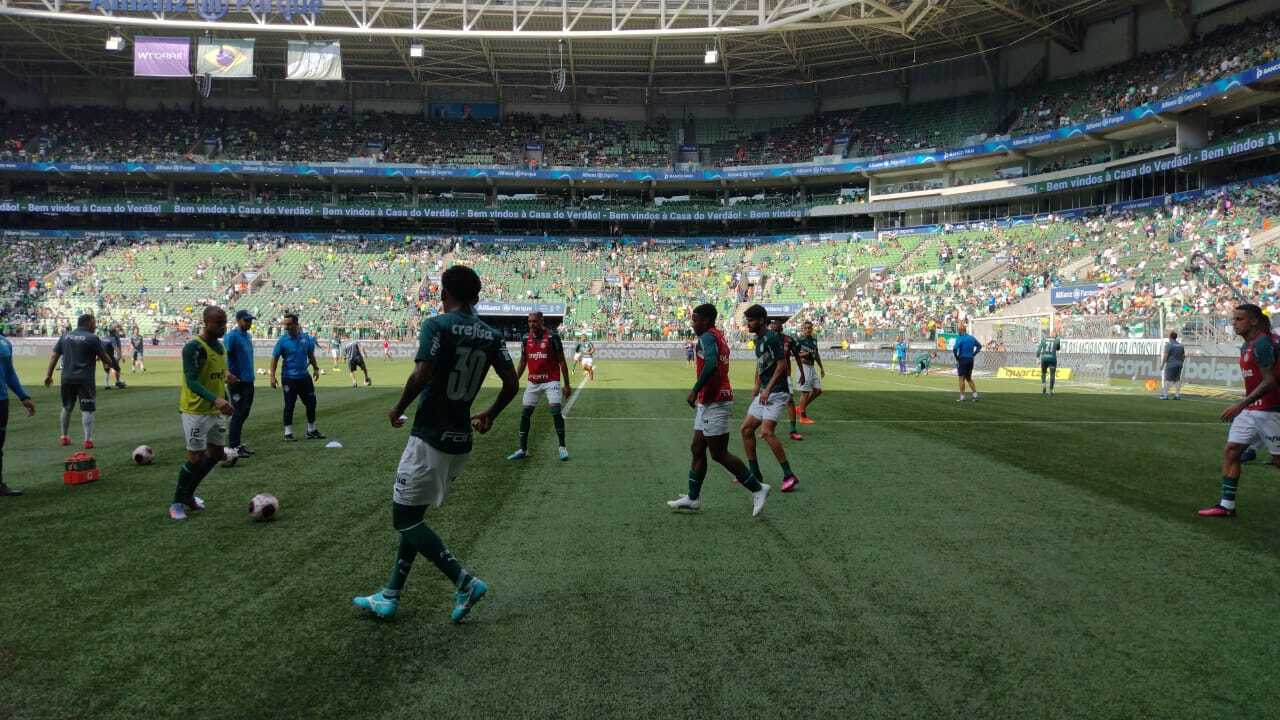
[(144, 455), (263, 507)]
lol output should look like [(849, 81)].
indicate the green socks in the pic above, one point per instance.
[(400, 573), (696, 476), (754, 466), (786, 469), (1229, 486)]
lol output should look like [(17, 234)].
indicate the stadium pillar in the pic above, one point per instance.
[(1193, 130)]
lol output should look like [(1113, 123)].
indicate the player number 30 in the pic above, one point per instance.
[(468, 373)]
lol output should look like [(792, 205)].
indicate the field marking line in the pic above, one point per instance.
[(573, 399), (908, 421), (1102, 389)]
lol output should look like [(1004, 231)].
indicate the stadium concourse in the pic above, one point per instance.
[(319, 135), (898, 283)]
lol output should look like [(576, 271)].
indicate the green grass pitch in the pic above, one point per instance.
[(1019, 557)]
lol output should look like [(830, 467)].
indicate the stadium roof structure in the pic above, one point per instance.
[(654, 45)]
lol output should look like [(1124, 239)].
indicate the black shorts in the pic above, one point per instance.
[(1046, 364), (964, 368), (354, 363), (1173, 373), (137, 354), (86, 393)]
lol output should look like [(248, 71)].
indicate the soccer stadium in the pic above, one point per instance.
[(746, 358)]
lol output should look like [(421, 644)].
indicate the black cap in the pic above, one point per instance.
[(244, 315)]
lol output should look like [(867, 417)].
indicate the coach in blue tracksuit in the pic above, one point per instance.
[(239, 345), (9, 381), (298, 352), (966, 348)]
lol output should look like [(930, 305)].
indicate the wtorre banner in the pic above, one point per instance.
[(161, 56)]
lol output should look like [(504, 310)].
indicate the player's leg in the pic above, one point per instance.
[(1053, 376), (812, 388), (1177, 383), (1044, 372), (528, 405), (960, 375), (557, 416), (1246, 429), (88, 396), (748, 431), (5, 490), (365, 369), (199, 461), (70, 395), (697, 471), (242, 399), (770, 438), (307, 393), (791, 416), (351, 369), (422, 479), (290, 402)]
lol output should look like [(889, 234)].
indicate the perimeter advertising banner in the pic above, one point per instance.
[(161, 57), (225, 58)]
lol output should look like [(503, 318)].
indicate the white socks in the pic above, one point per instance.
[(86, 421)]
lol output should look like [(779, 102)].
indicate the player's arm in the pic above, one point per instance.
[(710, 362), (53, 363), (1164, 357), (413, 387), (524, 360), (817, 358), (977, 347), (423, 364), (1265, 355), (557, 347), (193, 356), (14, 384), (311, 359), (275, 360), (780, 370), (501, 362)]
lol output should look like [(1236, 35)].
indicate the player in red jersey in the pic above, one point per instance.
[(1256, 417), (386, 348), (543, 354), (712, 400)]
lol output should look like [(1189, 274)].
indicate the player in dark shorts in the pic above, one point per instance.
[(79, 350), (139, 345), (965, 350), (792, 349), (114, 344), (354, 355), (688, 353), (1047, 352)]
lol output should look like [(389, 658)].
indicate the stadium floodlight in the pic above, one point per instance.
[(712, 57), (417, 50), (115, 42)]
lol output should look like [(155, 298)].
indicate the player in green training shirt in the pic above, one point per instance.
[(791, 349), (769, 396), (1047, 352), (923, 361), (204, 409), (810, 376), (455, 352)]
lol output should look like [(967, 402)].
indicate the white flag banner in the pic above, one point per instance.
[(314, 61)]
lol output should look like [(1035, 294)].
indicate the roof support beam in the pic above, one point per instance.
[(493, 68), (1006, 7)]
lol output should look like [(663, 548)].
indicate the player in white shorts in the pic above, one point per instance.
[(455, 351), (589, 359), (811, 380), (1256, 418), (712, 400), (542, 354), (204, 410), (769, 397)]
